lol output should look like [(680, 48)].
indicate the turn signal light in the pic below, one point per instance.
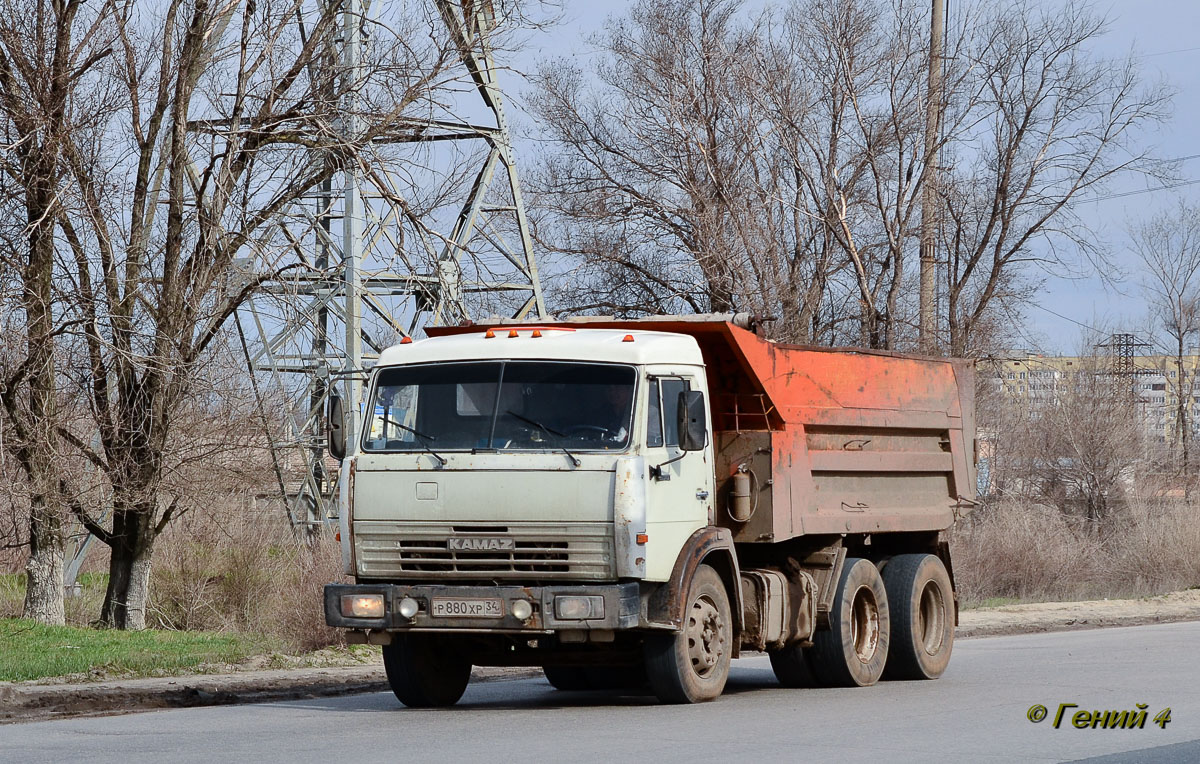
[(642, 538)]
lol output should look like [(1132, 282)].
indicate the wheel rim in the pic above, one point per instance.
[(706, 636), (931, 626), (864, 624)]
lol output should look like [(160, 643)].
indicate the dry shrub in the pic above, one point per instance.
[(301, 618), (1034, 552), (245, 569), (1022, 552), (1155, 546)]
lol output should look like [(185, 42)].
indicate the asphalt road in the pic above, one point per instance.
[(976, 712)]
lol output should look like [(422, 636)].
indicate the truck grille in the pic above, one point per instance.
[(576, 551)]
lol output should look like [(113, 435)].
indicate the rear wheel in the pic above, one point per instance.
[(568, 678), (854, 650), (921, 600), (791, 667), (424, 671), (693, 665)]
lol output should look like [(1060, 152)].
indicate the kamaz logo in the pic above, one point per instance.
[(480, 545)]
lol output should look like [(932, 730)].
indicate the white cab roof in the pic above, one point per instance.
[(604, 345)]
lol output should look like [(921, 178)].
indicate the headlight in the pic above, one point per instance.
[(578, 608), (362, 605), (521, 609)]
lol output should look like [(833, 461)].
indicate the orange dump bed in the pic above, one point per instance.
[(836, 440)]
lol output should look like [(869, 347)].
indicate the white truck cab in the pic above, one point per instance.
[(527, 454)]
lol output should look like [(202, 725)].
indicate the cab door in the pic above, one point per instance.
[(679, 483)]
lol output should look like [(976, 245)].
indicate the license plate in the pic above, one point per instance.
[(446, 607)]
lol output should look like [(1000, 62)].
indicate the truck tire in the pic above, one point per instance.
[(568, 678), (854, 650), (791, 668), (618, 677), (579, 678), (921, 601), (425, 671), (693, 665)]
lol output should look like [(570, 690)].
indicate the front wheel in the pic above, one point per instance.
[(424, 671), (693, 665)]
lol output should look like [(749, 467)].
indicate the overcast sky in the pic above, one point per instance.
[(1163, 32)]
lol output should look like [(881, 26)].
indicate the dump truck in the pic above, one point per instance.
[(632, 503)]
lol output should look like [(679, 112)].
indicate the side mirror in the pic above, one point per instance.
[(337, 427), (692, 433)]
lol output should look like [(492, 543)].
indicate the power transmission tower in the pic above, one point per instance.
[(1122, 348), (388, 272)]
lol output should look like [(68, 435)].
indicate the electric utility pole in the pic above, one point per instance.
[(929, 191)]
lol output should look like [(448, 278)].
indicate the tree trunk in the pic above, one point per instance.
[(128, 591), (44, 570)]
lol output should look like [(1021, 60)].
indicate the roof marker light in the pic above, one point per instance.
[(406, 340), (512, 333), (628, 338), (537, 333), (489, 334)]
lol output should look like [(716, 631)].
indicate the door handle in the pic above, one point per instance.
[(701, 494)]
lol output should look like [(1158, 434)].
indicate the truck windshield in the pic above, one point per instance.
[(502, 405)]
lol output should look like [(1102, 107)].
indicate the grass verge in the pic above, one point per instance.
[(29, 650)]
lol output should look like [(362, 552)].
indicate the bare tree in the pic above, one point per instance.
[(1092, 437), (1042, 122), (776, 164), (186, 130), (48, 52), (657, 156), (1073, 439), (1168, 245)]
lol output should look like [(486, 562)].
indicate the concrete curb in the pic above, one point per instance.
[(21, 702)]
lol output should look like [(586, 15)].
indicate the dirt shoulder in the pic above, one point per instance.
[(1091, 614), (253, 683)]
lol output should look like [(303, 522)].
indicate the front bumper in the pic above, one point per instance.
[(621, 607)]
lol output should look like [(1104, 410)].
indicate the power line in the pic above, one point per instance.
[(1123, 194), (1067, 318), (1167, 52), (1172, 160)]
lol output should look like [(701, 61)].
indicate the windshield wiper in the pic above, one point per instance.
[(422, 437), (574, 459)]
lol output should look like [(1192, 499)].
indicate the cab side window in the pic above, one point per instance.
[(654, 425), (662, 410)]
